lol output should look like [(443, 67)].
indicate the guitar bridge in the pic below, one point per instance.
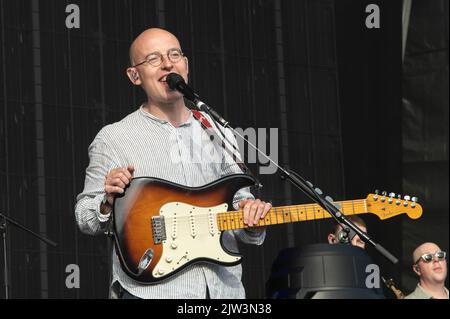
[(158, 229)]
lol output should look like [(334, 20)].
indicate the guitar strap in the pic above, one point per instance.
[(206, 125)]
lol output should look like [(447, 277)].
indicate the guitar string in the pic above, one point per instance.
[(285, 213), (303, 215), (237, 223)]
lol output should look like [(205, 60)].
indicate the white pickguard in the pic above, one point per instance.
[(191, 233)]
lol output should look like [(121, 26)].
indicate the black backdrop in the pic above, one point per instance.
[(332, 87)]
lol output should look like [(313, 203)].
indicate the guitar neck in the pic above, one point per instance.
[(290, 214)]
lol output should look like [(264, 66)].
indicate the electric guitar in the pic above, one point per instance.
[(160, 227)]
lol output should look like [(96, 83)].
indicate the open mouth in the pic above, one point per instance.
[(163, 82), (163, 78)]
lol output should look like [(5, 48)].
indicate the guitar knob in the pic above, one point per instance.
[(406, 197), (145, 261)]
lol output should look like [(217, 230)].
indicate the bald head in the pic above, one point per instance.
[(139, 48), (425, 248)]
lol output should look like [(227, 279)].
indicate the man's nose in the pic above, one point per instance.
[(166, 63)]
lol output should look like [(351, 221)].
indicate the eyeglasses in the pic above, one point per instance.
[(156, 58), (440, 255)]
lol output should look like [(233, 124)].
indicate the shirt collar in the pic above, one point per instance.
[(425, 293), (160, 121)]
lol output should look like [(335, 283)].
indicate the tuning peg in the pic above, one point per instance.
[(375, 197), (328, 198), (406, 197), (415, 199), (399, 197), (309, 184), (318, 191), (384, 193), (391, 194)]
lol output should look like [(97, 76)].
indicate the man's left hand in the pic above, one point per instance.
[(254, 210)]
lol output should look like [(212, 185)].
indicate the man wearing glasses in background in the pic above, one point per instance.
[(430, 265)]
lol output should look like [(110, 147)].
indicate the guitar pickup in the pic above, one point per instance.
[(158, 229)]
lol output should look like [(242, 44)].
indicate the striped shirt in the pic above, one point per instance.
[(183, 155)]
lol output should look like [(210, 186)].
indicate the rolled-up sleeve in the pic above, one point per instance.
[(87, 208), (250, 235)]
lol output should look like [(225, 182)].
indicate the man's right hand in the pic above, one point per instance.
[(116, 181)]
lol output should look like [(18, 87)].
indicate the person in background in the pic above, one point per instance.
[(430, 264)]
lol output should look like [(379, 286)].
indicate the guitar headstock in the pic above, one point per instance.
[(387, 206)]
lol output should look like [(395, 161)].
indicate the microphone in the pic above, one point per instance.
[(176, 82), (343, 237)]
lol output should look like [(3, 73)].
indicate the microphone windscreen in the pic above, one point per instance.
[(173, 80)]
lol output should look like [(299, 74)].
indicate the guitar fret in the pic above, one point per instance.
[(288, 215), (268, 217), (321, 213), (344, 208), (278, 217), (240, 219), (307, 213)]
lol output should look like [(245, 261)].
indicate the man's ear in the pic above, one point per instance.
[(133, 75), (187, 65), (331, 239), (416, 269)]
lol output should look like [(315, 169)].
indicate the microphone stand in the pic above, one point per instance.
[(307, 187), (4, 220)]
